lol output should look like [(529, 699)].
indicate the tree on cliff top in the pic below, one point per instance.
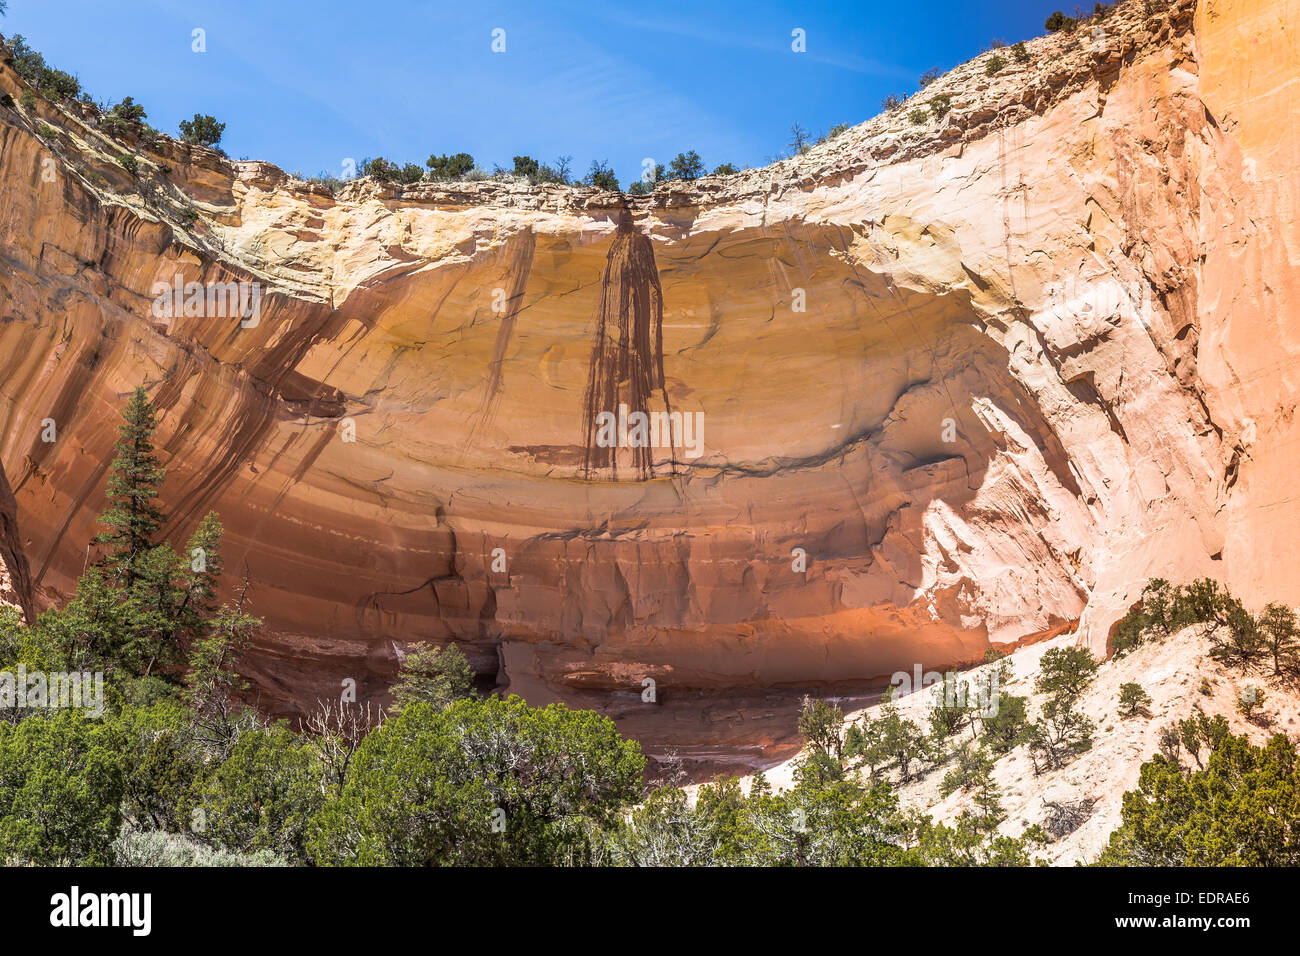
[(203, 130), (450, 167), (602, 176), (686, 166)]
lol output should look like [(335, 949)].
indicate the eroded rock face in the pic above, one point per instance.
[(15, 580), (987, 375)]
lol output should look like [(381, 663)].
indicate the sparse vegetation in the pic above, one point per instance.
[(455, 166), (831, 133), (381, 170), (600, 175), (798, 139), (1006, 729), (994, 65), (1058, 21), (123, 118), (686, 166), (1133, 700), (891, 102), (1250, 700), (1061, 731), (940, 105), (1020, 52), (1238, 639), (203, 130), (929, 76), (53, 84), (918, 116)]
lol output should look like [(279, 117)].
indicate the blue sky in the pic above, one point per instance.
[(306, 85)]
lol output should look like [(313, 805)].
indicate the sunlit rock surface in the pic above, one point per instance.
[(988, 374)]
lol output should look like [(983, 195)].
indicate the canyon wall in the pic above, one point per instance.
[(954, 383)]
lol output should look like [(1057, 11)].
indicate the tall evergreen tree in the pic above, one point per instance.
[(133, 518), (205, 566)]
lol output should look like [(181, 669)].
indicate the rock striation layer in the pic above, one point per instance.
[(956, 383)]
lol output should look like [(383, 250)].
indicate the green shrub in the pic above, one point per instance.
[(381, 170), (155, 848), (54, 84), (1006, 730), (129, 111), (686, 166), (432, 675), (539, 173), (1059, 21), (725, 169), (602, 176), (1066, 672), (1200, 732), (28, 99), (994, 65), (130, 164), (1060, 733), (1280, 636), (1243, 810), (263, 795), (1250, 700), (1020, 52), (918, 116), (1238, 639), (940, 105), (203, 130), (484, 782), (60, 790), (1133, 700), (455, 166)]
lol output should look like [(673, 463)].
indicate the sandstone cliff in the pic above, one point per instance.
[(988, 373)]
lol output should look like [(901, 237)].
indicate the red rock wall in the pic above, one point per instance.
[(1033, 338)]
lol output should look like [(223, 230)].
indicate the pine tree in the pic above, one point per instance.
[(1133, 700), (205, 566), (133, 517), (1281, 636), (213, 685), (438, 676)]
